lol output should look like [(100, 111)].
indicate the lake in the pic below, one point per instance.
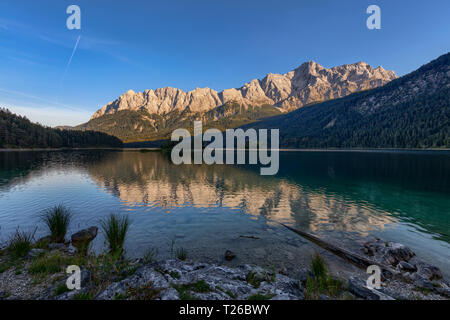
[(343, 197)]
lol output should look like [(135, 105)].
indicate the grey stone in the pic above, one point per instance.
[(56, 246), (224, 282), (82, 238), (229, 255), (422, 283), (283, 270), (428, 271), (85, 278), (304, 274), (33, 253), (389, 253), (70, 295), (169, 294), (394, 293), (443, 291), (141, 277), (405, 266), (71, 250), (358, 287)]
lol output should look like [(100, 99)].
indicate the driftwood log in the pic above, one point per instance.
[(354, 258)]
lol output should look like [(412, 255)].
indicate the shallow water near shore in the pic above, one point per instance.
[(343, 197)]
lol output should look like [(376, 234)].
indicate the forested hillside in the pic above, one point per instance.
[(19, 132), (137, 126)]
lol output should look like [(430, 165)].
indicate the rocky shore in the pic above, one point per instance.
[(40, 275)]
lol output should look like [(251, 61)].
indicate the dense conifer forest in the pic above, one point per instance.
[(19, 132)]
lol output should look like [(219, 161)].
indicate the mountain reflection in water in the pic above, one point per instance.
[(341, 196)]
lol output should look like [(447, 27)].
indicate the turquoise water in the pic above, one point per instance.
[(341, 196)]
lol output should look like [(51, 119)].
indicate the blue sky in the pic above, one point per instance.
[(194, 43)]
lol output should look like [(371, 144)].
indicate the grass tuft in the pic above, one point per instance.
[(174, 274), (228, 292), (321, 282), (144, 292), (184, 289), (20, 243), (181, 254), (83, 296), (261, 296), (50, 264), (253, 279), (318, 266), (115, 228), (150, 256), (60, 289), (57, 220), (121, 296)]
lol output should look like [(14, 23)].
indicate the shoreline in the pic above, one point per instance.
[(108, 277)]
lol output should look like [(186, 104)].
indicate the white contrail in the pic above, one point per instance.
[(70, 60)]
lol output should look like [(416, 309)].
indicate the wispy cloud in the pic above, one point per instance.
[(50, 116), (7, 24), (42, 110), (89, 43), (23, 61), (40, 99), (19, 56)]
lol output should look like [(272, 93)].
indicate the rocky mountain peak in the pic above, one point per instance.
[(309, 83)]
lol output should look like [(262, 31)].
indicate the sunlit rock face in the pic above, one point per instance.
[(309, 83), (150, 179)]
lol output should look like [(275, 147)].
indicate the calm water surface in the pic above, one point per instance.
[(344, 197)]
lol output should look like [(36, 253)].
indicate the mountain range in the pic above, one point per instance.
[(349, 106), (154, 114), (410, 112)]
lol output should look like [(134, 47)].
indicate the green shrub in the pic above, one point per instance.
[(57, 220), (115, 228)]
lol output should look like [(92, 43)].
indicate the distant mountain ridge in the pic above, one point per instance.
[(310, 83), (410, 112)]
